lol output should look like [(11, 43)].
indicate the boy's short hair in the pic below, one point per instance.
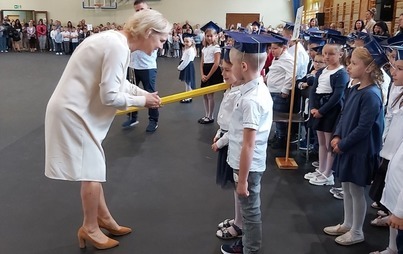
[(255, 61)]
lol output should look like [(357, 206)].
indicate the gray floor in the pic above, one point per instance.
[(161, 184)]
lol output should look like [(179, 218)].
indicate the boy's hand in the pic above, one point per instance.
[(242, 189), (395, 222)]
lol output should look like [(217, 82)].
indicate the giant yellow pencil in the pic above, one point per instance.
[(181, 96)]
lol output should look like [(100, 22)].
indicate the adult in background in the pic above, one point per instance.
[(145, 71), (81, 110)]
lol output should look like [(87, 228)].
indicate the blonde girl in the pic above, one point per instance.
[(357, 140), (325, 102)]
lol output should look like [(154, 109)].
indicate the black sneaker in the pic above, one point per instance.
[(236, 247), (152, 126), (130, 122)]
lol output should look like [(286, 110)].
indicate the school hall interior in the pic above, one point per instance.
[(160, 184)]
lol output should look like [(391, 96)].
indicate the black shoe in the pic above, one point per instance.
[(152, 126), (236, 247), (279, 143)]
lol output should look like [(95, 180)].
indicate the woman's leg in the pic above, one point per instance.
[(103, 211), (90, 198)]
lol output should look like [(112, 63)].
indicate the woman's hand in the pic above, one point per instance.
[(153, 100), (214, 147)]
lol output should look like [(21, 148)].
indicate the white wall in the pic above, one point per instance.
[(196, 11)]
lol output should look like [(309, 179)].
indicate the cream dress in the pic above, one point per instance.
[(83, 106)]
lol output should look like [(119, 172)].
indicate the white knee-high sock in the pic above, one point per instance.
[(210, 105), (348, 205), (329, 157), (205, 103), (322, 151), (359, 208), (392, 239)]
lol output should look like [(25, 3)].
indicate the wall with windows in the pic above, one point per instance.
[(196, 11)]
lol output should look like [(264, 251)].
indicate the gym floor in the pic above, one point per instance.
[(161, 184)]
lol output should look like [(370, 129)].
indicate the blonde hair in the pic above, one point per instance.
[(376, 73), (255, 61), (140, 23)]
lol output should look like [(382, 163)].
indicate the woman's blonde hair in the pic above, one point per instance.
[(140, 23)]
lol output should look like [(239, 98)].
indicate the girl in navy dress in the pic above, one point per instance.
[(357, 140), (209, 68), (229, 228), (186, 66), (325, 99)]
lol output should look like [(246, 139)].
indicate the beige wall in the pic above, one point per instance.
[(196, 11)]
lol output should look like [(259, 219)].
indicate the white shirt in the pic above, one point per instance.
[(302, 60), (385, 86), (144, 61), (254, 110), (225, 112), (392, 196), (66, 35), (392, 134), (83, 106), (324, 86), (279, 77), (209, 52), (187, 57), (74, 36)]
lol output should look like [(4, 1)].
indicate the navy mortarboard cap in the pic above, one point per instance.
[(318, 49), (399, 52), (188, 35), (255, 23), (289, 25), (376, 51), (336, 39), (312, 29), (395, 40), (282, 40), (332, 31), (317, 40), (380, 38), (225, 53), (251, 43), (211, 25)]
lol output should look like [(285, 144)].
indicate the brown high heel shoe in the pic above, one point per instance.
[(116, 232), (83, 237)]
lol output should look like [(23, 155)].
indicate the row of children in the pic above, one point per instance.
[(356, 111)]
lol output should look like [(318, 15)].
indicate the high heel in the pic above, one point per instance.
[(115, 232), (83, 237)]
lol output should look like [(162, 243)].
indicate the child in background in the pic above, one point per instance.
[(58, 42), (74, 39), (66, 40), (325, 99), (357, 140), (175, 44), (186, 66), (279, 82), (210, 73), (229, 228), (248, 133)]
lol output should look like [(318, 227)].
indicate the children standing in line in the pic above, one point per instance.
[(248, 132), (357, 140), (186, 66), (210, 73), (325, 101), (392, 155), (229, 228)]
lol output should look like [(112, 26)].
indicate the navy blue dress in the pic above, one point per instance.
[(360, 129), (188, 75)]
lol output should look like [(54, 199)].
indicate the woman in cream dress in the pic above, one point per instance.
[(82, 108)]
